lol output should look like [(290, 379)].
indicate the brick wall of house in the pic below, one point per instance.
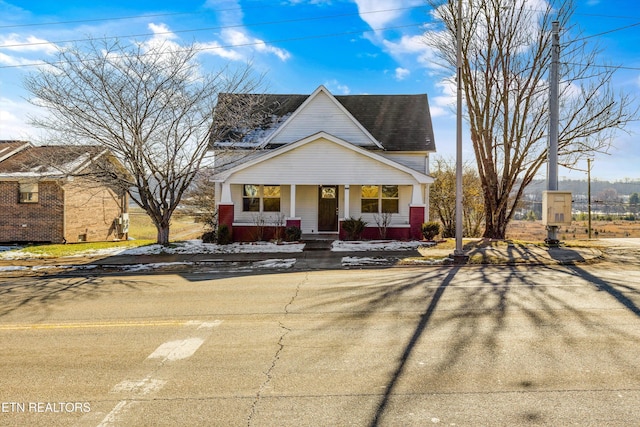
[(31, 222), (91, 212), (77, 211)]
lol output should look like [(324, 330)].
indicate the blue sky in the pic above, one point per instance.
[(350, 46)]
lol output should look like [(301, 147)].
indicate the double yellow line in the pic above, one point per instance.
[(92, 325)]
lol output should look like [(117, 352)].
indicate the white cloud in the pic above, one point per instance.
[(215, 48), (239, 39), (17, 43), (13, 119), (413, 46), (161, 31), (336, 88), (378, 13), (402, 73)]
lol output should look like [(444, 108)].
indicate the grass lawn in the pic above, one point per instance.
[(142, 232)]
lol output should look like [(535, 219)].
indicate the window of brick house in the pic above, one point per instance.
[(28, 193)]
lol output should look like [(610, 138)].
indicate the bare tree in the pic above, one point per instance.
[(150, 104), (506, 53)]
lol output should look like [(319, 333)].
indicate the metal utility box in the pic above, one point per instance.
[(556, 208)]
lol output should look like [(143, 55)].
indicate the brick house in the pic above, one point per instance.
[(52, 194)]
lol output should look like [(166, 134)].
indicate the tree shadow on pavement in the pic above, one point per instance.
[(417, 333), (617, 291), (521, 328), (38, 294)]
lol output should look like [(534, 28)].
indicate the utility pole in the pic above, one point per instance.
[(458, 255), (554, 114), (589, 194)]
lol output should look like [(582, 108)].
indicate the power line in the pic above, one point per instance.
[(616, 67), (291, 39), (120, 18), (287, 21), (626, 27)]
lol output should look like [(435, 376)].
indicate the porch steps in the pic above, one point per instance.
[(318, 242)]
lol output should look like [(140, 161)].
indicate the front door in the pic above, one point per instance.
[(328, 208)]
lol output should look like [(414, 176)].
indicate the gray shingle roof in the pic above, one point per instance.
[(398, 122), (41, 161)]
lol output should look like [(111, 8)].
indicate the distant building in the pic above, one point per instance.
[(52, 194)]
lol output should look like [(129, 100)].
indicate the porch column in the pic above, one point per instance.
[(417, 214), (427, 189), (347, 195), (225, 206), (292, 209), (293, 221), (225, 197), (417, 198)]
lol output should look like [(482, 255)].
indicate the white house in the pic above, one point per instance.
[(312, 161)]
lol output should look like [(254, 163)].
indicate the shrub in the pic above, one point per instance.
[(224, 235), (293, 233), (209, 237), (354, 228), (430, 230)]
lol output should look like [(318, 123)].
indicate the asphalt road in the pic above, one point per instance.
[(464, 346)]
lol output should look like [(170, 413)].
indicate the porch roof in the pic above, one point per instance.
[(321, 159)]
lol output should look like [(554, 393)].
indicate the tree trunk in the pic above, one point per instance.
[(163, 234), (496, 216)]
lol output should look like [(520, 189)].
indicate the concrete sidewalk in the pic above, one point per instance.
[(298, 261)]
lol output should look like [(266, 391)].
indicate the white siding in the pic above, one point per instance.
[(321, 162), (307, 207), (322, 114)]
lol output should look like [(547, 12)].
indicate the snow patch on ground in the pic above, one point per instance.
[(351, 261), (275, 263), (185, 247), (376, 245)]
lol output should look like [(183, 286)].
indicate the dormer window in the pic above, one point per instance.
[(28, 193)]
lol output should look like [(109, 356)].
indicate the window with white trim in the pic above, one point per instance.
[(260, 198), (379, 199), (29, 193)]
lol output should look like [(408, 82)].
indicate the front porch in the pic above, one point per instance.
[(264, 212)]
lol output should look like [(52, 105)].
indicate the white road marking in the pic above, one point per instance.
[(141, 387), (177, 350), (204, 325), (169, 351), (112, 416)]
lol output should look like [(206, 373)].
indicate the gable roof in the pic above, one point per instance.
[(9, 148), (396, 122), (48, 161)]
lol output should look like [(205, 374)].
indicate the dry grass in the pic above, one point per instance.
[(535, 231), (182, 227)]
